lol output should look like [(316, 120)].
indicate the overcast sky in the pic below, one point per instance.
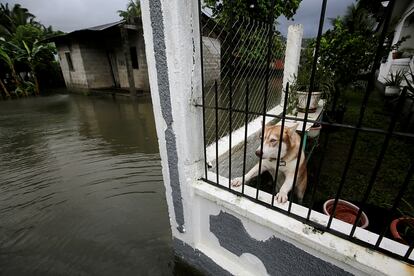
[(69, 15), (309, 12)]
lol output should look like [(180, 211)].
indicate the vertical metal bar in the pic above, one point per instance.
[(280, 142), (202, 88), (269, 52), (231, 92), (318, 174), (378, 164), (216, 121), (246, 122), (369, 87), (311, 87), (396, 202)]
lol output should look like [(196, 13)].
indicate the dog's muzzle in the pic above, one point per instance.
[(259, 153)]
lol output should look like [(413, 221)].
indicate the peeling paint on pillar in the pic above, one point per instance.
[(278, 256), (165, 103)]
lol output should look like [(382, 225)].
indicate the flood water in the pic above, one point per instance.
[(81, 189)]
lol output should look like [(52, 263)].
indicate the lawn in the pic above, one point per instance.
[(393, 169)]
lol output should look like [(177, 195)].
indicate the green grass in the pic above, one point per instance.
[(394, 166)]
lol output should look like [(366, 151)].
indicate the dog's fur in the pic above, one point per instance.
[(289, 154)]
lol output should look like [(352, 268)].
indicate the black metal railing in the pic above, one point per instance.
[(244, 111)]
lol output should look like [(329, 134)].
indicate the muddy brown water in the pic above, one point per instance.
[(81, 189)]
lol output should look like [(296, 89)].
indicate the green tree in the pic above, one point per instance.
[(260, 9), (346, 51), (10, 19), (23, 52), (7, 57), (33, 55), (27, 33), (132, 14)]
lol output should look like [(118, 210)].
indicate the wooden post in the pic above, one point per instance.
[(127, 54)]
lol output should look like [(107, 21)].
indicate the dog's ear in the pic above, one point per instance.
[(292, 129)]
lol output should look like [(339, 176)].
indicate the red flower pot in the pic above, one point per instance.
[(345, 211), (394, 228), (396, 55)]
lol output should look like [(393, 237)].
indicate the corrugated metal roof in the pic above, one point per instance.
[(100, 27), (91, 29)]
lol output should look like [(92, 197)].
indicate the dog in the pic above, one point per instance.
[(288, 159)]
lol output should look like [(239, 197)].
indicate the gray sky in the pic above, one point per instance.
[(309, 12), (69, 15)]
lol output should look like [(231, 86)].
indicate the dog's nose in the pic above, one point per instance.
[(259, 153)]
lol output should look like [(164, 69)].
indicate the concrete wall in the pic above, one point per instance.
[(96, 64), (292, 53), (211, 60), (77, 77), (91, 65), (214, 230), (140, 74)]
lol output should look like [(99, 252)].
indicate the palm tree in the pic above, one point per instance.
[(10, 19), (132, 13), (358, 19)]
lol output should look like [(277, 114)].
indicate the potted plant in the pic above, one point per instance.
[(314, 130), (402, 229), (393, 82), (302, 88), (345, 211), (396, 53)]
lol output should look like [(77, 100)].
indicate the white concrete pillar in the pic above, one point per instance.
[(172, 49), (292, 54)]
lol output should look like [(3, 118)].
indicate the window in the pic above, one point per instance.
[(69, 60), (134, 57)]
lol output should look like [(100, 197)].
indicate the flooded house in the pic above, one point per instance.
[(113, 56), (106, 56)]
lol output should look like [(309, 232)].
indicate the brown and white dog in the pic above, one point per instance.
[(288, 156)]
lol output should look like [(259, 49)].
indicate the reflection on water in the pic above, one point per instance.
[(81, 188)]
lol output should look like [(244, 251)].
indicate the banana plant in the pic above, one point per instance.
[(9, 61), (32, 56)]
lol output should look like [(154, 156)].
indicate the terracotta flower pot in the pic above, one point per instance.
[(345, 211), (396, 55), (394, 228)]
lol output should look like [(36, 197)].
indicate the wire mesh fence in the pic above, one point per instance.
[(234, 55), (246, 83)]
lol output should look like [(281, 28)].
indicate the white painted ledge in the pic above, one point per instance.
[(325, 246)]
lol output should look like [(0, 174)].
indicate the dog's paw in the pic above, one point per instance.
[(236, 182), (281, 197)]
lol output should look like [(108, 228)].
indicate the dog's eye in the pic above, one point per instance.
[(273, 140)]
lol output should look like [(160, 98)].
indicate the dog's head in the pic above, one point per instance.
[(271, 140)]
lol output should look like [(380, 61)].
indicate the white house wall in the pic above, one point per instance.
[(404, 10)]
